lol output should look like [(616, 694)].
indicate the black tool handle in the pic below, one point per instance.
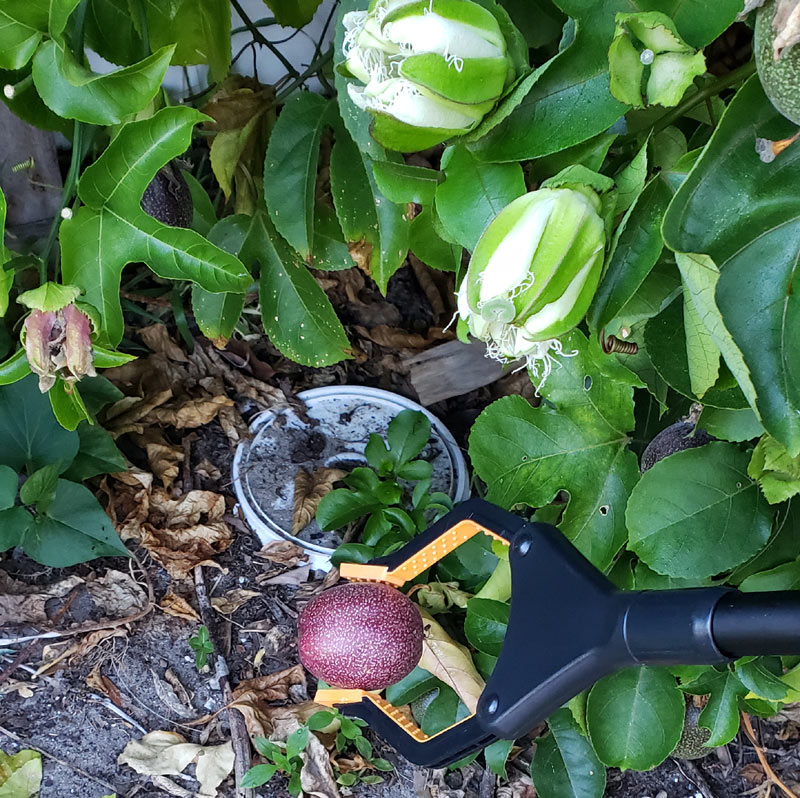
[(747, 624)]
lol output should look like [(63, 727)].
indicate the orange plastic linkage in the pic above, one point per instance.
[(448, 541), (331, 697)]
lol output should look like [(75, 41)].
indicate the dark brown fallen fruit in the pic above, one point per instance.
[(360, 636), (692, 743), (675, 438), (168, 198)]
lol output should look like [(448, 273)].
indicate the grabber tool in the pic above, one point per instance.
[(569, 626)]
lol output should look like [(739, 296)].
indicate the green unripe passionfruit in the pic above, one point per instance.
[(780, 77), (692, 744)]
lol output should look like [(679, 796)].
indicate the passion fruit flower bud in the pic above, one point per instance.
[(649, 40), (56, 335), (533, 274), (432, 68)]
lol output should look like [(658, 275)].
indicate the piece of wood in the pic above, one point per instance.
[(29, 176), (452, 369)]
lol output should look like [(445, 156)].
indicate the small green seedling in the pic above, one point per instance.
[(394, 492), (202, 645), (286, 757)]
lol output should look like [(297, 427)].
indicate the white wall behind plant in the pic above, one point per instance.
[(299, 50)]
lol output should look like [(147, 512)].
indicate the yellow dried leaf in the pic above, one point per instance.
[(451, 662), (179, 607), (309, 490), (164, 753), (231, 601), (361, 253)]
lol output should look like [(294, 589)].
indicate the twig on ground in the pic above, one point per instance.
[(771, 774), (240, 740), (239, 737), (63, 762), (693, 773)]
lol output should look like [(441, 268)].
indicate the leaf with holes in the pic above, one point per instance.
[(575, 441), (112, 230)]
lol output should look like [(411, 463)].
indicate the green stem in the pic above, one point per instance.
[(312, 69), (711, 90), (264, 22), (71, 180), (80, 144), (261, 39)]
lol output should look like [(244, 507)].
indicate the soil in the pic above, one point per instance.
[(150, 666)]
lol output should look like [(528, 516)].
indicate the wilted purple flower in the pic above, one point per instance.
[(77, 343), (58, 345)]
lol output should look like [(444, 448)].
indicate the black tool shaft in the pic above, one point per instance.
[(747, 624)]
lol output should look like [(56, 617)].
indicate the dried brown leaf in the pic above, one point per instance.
[(274, 686), (309, 491), (191, 413), (397, 338), (316, 775), (296, 576), (361, 253), (162, 457), (166, 693), (231, 601), (282, 552), (354, 763), (206, 469), (179, 688), (184, 532), (129, 501), (451, 662), (157, 338), (264, 720), (100, 683), (164, 753), (116, 593), (179, 607), (753, 772)]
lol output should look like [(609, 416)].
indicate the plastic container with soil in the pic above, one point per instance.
[(336, 428)]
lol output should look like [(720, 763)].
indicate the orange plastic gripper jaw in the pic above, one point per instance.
[(467, 520), (418, 561)]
